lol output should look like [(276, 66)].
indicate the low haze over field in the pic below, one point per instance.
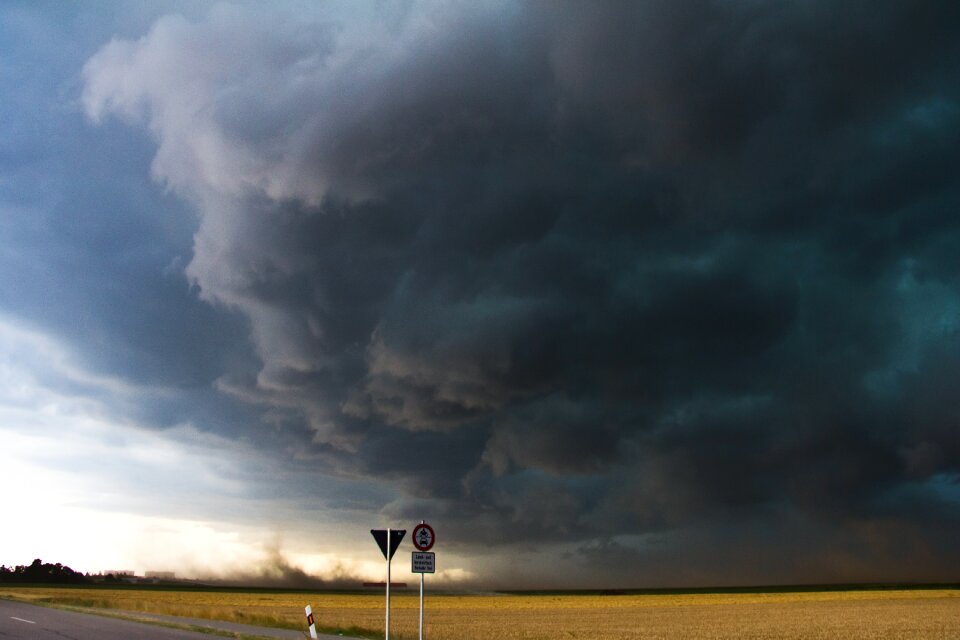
[(611, 293)]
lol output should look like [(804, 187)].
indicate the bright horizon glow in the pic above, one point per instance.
[(96, 517), (65, 526)]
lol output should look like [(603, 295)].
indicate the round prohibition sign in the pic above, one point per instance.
[(423, 537)]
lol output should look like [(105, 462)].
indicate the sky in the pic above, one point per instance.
[(612, 294)]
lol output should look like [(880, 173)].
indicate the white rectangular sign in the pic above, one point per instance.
[(423, 562)]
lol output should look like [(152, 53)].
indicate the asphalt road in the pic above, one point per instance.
[(30, 622)]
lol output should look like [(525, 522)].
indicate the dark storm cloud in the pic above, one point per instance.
[(586, 269)]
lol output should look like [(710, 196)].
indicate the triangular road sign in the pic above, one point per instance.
[(396, 535)]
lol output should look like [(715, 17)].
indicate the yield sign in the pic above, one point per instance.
[(396, 535)]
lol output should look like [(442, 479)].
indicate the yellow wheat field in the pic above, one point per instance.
[(847, 615)]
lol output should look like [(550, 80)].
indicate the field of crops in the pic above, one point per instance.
[(847, 615)]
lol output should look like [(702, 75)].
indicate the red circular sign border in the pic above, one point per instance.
[(433, 537)]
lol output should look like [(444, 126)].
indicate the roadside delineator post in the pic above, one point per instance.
[(313, 628)]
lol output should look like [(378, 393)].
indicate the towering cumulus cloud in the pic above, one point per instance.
[(660, 279)]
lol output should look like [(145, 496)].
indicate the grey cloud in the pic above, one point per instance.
[(555, 435), (89, 238), (611, 266)]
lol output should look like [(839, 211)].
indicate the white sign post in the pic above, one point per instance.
[(388, 540), (423, 562)]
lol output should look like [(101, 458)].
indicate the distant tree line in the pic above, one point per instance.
[(39, 572)]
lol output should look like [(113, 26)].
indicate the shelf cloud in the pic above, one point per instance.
[(657, 280)]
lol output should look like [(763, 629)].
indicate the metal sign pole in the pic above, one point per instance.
[(388, 584), (421, 601), (421, 606)]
